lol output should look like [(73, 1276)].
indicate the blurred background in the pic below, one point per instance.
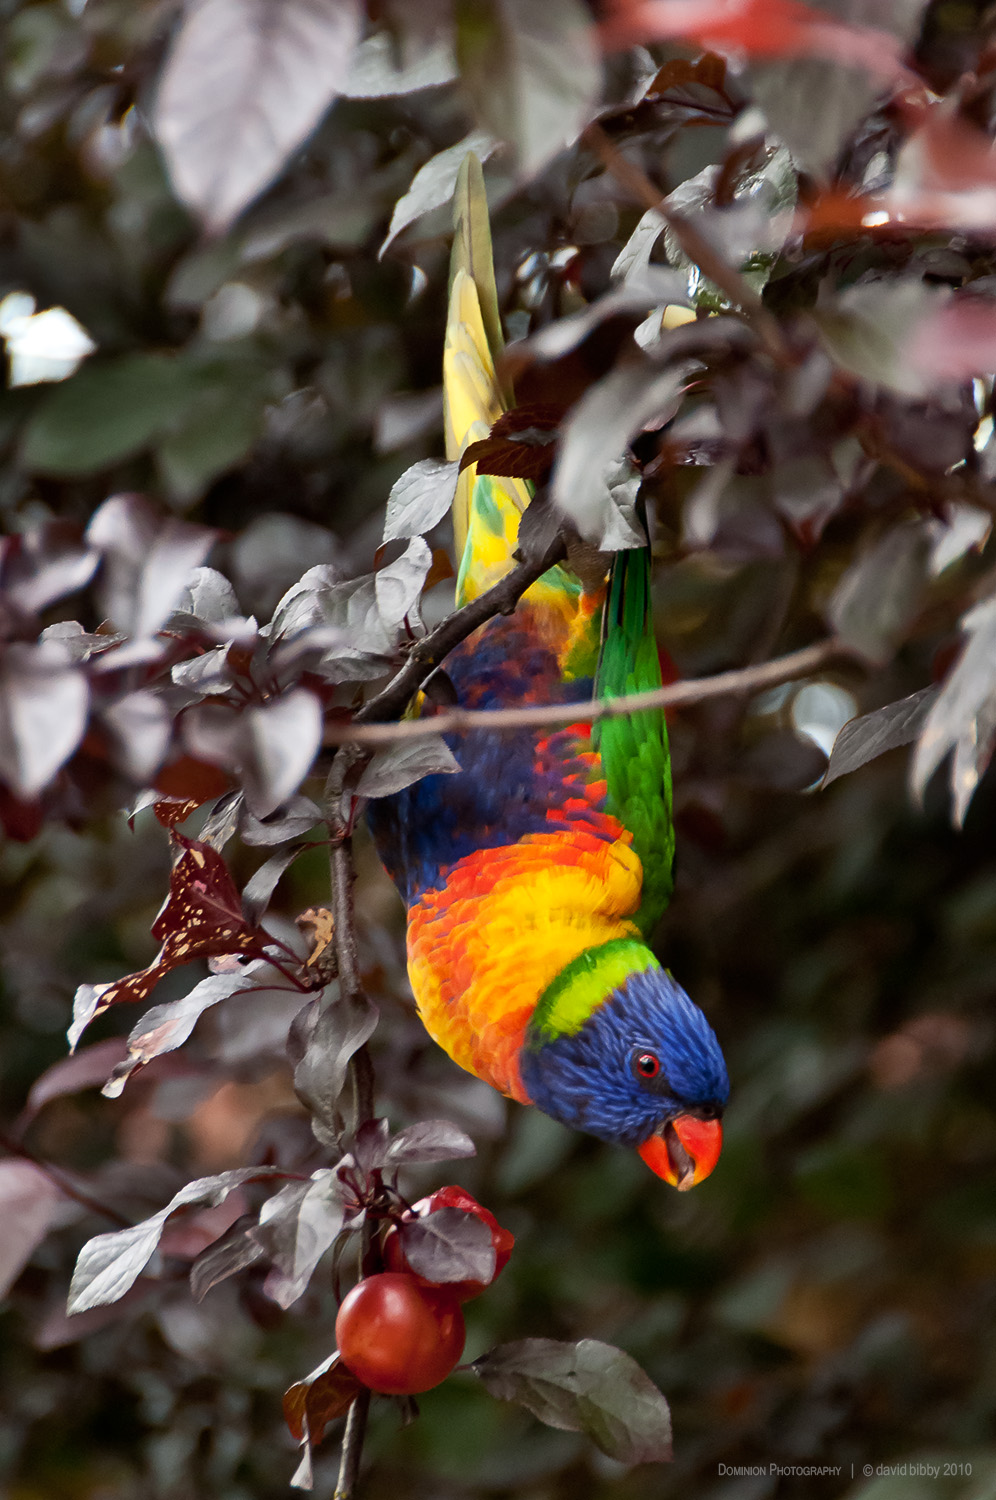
[(828, 1296)]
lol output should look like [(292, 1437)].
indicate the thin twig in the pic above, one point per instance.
[(740, 681), (427, 653), (735, 287), (344, 935), (65, 1184), (352, 1447), (361, 1074)]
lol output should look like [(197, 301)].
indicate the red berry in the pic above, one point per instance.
[(399, 1337), (452, 1197)]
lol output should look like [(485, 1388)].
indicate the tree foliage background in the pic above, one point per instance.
[(261, 266)]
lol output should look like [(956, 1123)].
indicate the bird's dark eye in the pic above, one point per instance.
[(646, 1064)]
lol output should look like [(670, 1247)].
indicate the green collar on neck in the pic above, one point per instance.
[(583, 985)]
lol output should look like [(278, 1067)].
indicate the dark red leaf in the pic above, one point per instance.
[(709, 71), (536, 416), (520, 444), (202, 917), (173, 810), (203, 912), (511, 460), (311, 1404)]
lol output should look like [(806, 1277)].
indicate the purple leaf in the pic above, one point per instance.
[(375, 74), (634, 257), (886, 728), (881, 591), (586, 1387), (166, 1027), (79, 644), (140, 727), (82, 1070), (208, 598), (258, 890), (216, 732), (963, 716), (43, 712), (291, 821), (420, 499), (398, 586), (392, 769), (231, 1252), (295, 1229), (43, 565), (28, 1201), (533, 73), (370, 1146), (449, 1245), (223, 821), (785, 89), (206, 674), (271, 747), (357, 644), (433, 186), (147, 561), (597, 432), (429, 1140), (286, 736), (869, 329), (301, 606), (110, 1263), (326, 1036), (245, 83)]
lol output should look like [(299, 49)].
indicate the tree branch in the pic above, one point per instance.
[(740, 681), (361, 1076), (427, 653), (63, 1182), (352, 1447)]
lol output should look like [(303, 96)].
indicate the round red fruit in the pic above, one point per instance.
[(398, 1337), (452, 1197)]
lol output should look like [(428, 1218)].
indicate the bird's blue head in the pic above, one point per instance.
[(616, 1048)]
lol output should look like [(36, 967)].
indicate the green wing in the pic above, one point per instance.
[(634, 747)]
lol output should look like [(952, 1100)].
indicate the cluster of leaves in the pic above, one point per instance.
[(786, 313)]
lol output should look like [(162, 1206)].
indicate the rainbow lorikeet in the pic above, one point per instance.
[(534, 875)]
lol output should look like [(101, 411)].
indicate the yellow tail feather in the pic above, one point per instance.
[(486, 510)]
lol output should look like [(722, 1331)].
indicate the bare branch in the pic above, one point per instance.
[(63, 1182), (427, 653), (352, 1447), (740, 681)]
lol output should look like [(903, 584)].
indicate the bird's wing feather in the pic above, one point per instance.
[(486, 508), (486, 515)]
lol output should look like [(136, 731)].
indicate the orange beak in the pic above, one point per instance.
[(684, 1151)]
